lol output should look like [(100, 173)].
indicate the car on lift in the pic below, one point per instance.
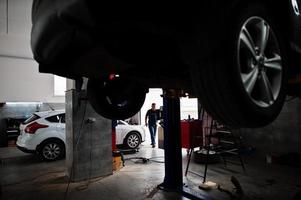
[(44, 133), (235, 56)]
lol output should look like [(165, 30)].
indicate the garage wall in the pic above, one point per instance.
[(19, 76), (189, 106), (153, 96), (15, 26), (25, 110), (21, 81)]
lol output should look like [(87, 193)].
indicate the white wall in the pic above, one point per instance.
[(19, 76), (21, 81), (15, 26), (152, 97), (188, 106)]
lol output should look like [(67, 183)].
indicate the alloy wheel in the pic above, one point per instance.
[(51, 151), (259, 61), (133, 141)]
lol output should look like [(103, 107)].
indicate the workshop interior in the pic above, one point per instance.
[(119, 101)]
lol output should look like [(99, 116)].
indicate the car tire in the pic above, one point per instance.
[(51, 150), (241, 86), (132, 140), (115, 99)]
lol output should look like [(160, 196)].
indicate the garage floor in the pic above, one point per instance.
[(25, 177)]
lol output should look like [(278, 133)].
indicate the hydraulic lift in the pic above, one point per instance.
[(173, 180)]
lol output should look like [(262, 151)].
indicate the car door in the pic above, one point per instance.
[(57, 126)]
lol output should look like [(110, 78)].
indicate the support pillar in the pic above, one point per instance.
[(172, 141), (173, 180), (88, 139)]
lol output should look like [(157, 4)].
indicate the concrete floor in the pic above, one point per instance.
[(24, 176)]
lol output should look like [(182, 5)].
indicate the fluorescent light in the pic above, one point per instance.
[(22, 103)]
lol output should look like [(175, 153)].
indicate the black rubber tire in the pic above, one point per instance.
[(128, 137), (218, 83), (3, 134), (201, 157), (60, 144), (117, 99)]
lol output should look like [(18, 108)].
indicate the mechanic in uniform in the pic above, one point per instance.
[(153, 116)]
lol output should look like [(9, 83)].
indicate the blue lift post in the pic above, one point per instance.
[(173, 180), (172, 140)]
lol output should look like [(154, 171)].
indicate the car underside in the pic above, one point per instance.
[(233, 55)]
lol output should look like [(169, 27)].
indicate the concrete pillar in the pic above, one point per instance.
[(88, 139)]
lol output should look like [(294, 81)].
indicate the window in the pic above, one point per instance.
[(53, 119), (62, 117), (59, 86), (120, 123)]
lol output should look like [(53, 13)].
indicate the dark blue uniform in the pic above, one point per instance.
[(153, 116)]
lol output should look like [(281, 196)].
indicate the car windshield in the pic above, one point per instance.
[(32, 118)]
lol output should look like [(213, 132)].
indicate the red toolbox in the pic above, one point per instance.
[(192, 133)]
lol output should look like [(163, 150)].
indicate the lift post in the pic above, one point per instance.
[(173, 180), (172, 140)]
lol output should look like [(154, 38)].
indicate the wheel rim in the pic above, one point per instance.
[(133, 141), (51, 151), (259, 61)]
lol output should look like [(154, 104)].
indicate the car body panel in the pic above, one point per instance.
[(123, 129), (57, 29), (30, 142), (182, 47), (76, 38)]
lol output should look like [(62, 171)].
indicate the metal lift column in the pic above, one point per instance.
[(172, 140), (173, 180)]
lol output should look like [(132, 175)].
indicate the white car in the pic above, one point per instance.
[(44, 133), (131, 136)]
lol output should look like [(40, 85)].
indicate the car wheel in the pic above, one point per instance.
[(52, 150), (132, 140), (115, 99), (244, 84)]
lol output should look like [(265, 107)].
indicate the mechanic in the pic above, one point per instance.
[(153, 116)]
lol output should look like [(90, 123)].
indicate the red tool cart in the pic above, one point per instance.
[(192, 133)]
